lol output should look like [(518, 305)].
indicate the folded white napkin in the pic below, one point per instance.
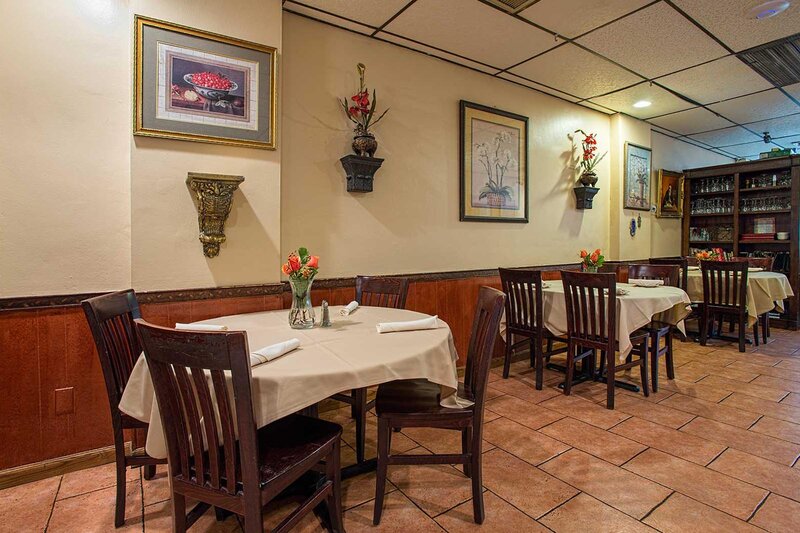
[(201, 327), (349, 308), (646, 282), (755, 269), (273, 351), (432, 322), (694, 268), (620, 291)]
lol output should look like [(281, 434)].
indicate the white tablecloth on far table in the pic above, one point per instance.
[(634, 310), (349, 354), (765, 291)]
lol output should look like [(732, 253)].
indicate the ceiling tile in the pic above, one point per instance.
[(789, 142), (653, 42), (750, 149), (473, 30), (691, 121), (434, 52), (725, 136), (571, 18), (759, 106), (294, 7), (662, 101), (729, 21), (718, 80), (794, 90), (537, 86), (576, 71), (778, 127), (364, 11)]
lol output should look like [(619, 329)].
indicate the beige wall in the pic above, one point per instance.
[(409, 223), (671, 154)]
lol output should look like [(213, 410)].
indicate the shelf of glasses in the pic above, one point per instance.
[(765, 189), (710, 193), (765, 241), (770, 212), (729, 213)]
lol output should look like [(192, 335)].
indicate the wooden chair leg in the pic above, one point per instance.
[(536, 346), (360, 407), (644, 371), (703, 328), (765, 327), (384, 436), (149, 471), (742, 332), (507, 360), (334, 499), (477, 479), (466, 440), (654, 360), (549, 349), (670, 360), (755, 332), (178, 513), (119, 513), (610, 373), (570, 370)]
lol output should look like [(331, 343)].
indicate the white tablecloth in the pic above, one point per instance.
[(634, 310), (765, 291), (349, 354)]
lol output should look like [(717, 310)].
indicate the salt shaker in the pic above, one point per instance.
[(326, 315)]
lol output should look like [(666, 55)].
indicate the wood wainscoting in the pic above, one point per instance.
[(54, 400)]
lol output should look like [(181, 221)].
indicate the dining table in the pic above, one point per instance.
[(348, 354), (766, 290)]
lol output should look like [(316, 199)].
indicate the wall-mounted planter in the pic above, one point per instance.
[(214, 194), (360, 171), (584, 196)]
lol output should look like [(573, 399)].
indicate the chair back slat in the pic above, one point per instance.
[(485, 329), (382, 291), (189, 375), (591, 308), (724, 284), (523, 289), (669, 274), (681, 262)]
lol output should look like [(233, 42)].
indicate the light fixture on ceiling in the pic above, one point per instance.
[(642, 103), (767, 137), (768, 9)]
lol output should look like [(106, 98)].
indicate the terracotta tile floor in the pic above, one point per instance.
[(714, 450)]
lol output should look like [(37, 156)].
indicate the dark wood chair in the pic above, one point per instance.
[(670, 274), (765, 263), (216, 454), (681, 262), (415, 403), (724, 296), (377, 292), (111, 319), (591, 301), (525, 318)]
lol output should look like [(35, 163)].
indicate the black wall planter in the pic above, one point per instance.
[(360, 172), (584, 196)]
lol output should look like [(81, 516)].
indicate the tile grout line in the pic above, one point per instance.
[(662, 502), (758, 507), (53, 506), (717, 456), (760, 416)]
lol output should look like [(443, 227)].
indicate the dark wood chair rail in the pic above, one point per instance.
[(240, 469)]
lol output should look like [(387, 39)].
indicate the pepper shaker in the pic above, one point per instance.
[(326, 315)]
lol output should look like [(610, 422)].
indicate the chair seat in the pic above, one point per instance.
[(290, 441), (414, 396)]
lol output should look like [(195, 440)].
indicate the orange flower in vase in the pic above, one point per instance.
[(591, 262), (301, 267)]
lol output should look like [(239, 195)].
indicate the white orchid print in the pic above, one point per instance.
[(497, 160)]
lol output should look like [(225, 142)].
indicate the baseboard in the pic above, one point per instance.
[(19, 475)]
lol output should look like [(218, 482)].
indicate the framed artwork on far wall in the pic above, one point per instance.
[(493, 164), (669, 194), (199, 86), (637, 177)]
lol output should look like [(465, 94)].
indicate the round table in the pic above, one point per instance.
[(350, 354)]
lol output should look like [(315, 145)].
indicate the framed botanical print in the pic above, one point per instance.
[(195, 85), (669, 190), (494, 165), (637, 177)]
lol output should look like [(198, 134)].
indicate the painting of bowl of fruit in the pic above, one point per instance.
[(210, 85)]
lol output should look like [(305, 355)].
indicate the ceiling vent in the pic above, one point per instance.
[(511, 6), (778, 61)]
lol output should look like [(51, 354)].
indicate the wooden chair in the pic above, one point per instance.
[(670, 275), (415, 403), (376, 292), (591, 301), (525, 317), (765, 263), (724, 296), (111, 319), (681, 262), (216, 454)]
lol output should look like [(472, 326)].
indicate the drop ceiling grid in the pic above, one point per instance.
[(619, 13)]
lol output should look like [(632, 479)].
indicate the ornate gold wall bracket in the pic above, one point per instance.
[(214, 194)]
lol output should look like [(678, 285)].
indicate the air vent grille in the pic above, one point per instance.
[(778, 61), (512, 6)]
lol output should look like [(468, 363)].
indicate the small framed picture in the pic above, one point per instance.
[(494, 165), (669, 202), (199, 86), (637, 177)]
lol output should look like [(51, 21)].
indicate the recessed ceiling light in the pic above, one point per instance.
[(642, 103), (768, 9)]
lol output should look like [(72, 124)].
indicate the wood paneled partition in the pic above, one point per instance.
[(54, 401)]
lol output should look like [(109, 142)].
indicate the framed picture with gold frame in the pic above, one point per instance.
[(669, 202), (493, 165), (199, 86), (637, 177)]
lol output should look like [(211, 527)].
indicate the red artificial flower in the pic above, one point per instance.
[(584, 253), (354, 111), (313, 261), (294, 263)]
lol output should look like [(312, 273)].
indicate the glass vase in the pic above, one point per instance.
[(588, 268), (301, 315)]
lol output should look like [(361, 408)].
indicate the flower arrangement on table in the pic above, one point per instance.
[(589, 159), (361, 112), (592, 261), (707, 255), (301, 267)]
